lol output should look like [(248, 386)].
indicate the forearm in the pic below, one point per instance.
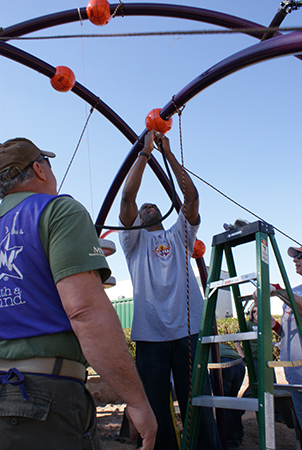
[(101, 337), (188, 189), (129, 210), (183, 179), (239, 349), (109, 354)]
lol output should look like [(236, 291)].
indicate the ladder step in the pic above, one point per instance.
[(287, 387), (245, 404), (296, 363), (247, 336), (226, 364), (234, 280)]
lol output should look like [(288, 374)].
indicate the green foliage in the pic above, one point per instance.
[(230, 325), (225, 326), (131, 344)]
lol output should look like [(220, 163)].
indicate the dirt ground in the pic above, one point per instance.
[(110, 416), (110, 419)]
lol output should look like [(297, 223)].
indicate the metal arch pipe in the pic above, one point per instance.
[(135, 9), (212, 75), (279, 46), (138, 9), (46, 69), (289, 44)]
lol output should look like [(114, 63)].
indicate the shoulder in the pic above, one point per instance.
[(181, 219), (66, 204), (64, 208)]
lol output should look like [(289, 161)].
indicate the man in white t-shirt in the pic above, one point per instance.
[(157, 265), (291, 345)]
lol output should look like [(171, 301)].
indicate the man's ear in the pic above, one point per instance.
[(39, 171)]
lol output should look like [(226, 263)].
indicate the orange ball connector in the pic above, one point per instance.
[(63, 80), (199, 249), (98, 12), (153, 121)]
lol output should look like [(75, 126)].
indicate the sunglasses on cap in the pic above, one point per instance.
[(299, 255)]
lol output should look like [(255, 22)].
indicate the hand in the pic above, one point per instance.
[(164, 141), (148, 142), (142, 421), (255, 296), (272, 288)]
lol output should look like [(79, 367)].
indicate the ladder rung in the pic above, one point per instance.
[(247, 336), (245, 404), (296, 363), (225, 365), (287, 387), (234, 280)]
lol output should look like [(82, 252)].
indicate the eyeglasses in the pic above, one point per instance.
[(47, 161), (299, 255)]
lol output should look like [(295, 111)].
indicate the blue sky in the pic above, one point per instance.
[(241, 134)]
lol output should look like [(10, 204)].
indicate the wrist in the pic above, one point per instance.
[(146, 155)]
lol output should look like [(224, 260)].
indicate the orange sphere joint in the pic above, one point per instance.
[(199, 249), (63, 80), (153, 121), (98, 12)]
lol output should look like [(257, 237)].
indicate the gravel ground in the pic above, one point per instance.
[(110, 418)]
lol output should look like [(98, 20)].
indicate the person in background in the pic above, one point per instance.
[(291, 344), (233, 372), (156, 262), (252, 325), (56, 318)]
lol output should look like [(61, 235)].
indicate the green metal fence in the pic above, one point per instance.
[(124, 309)]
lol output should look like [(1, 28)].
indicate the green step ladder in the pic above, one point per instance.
[(263, 387)]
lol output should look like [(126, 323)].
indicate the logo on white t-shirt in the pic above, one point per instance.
[(163, 249)]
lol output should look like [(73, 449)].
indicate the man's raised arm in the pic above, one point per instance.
[(191, 193), (129, 210)]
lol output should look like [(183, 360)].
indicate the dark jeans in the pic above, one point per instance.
[(297, 401), (248, 391), (59, 414), (154, 361), (232, 380)]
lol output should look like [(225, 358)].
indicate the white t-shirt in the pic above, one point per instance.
[(291, 346), (156, 262)]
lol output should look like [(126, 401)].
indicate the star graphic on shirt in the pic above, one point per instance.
[(8, 256)]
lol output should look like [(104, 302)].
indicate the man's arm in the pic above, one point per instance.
[(96, 325), (238, 348), (129, 210), (186, 184), (297, 298)]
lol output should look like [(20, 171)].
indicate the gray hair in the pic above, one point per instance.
[(8, 184)]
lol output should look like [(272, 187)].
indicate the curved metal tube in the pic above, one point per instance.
[(137, 9), (266, 50), (279, 46), (289, 44)]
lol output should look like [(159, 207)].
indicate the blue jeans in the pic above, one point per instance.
[(154, 361)]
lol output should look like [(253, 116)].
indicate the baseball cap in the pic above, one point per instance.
[(17, 154), (294, 251)]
